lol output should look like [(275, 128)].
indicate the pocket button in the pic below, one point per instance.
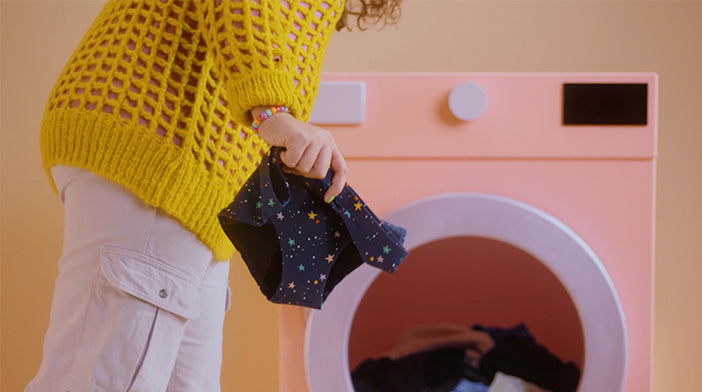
[(163, 293)]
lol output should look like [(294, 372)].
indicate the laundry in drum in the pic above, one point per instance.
[(296, 246)]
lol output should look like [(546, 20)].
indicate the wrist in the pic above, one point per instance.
[(255, 112), (261, 113)]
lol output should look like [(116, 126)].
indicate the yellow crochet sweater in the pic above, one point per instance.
[(156, 97)]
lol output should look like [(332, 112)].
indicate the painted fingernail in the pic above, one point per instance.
[(330, 199)]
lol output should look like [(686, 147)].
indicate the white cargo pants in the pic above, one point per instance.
[(138, 304)]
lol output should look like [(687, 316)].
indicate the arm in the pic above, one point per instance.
[(252, 45), (246, 40), (430, 337)]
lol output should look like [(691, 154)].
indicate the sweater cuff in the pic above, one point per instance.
[(263, 88)]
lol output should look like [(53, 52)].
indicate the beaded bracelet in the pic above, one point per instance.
[(265, 114)]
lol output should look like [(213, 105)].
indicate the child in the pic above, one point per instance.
[(146, 137)]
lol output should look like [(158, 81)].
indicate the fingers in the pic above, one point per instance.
[(322, 163), (485, 343), (310, 151), (473, 357), (312, 161), (338, 166), (307, 161), (325, 159), (292, 155)]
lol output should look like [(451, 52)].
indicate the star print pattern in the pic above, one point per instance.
[(318, 243)]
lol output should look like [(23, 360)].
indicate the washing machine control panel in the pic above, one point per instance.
[(496, 115)]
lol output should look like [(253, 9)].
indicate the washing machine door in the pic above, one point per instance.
[(499, 218)]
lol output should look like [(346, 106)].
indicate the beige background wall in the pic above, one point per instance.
[(434, 35)]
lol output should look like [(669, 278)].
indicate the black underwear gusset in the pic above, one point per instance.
[(298, 247)]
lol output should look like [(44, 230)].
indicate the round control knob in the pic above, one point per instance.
[(467, 101)]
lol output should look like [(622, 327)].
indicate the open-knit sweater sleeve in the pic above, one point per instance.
[(247, 40), (266, 48)]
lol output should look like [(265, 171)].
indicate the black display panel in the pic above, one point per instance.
[(605, 103)]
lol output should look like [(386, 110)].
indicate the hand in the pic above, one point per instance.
[(474, 343), (309, 150)]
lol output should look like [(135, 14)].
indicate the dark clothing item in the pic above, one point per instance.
[(516, 353), (440, 370), (429, 371), (298, 247)]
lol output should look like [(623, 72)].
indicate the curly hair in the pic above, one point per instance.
[(369, 13)]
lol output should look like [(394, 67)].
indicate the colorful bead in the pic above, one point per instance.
[(267, 113)]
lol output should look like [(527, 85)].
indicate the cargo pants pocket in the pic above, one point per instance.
[(134, 323)]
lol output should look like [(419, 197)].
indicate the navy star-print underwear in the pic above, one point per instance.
[(298, 247)]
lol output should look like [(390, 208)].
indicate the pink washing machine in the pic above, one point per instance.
[(528, 198)]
